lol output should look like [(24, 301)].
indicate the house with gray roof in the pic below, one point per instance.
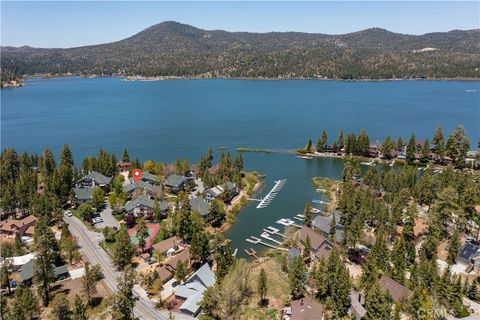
[(322, 223), (83, 195), (135, 189), (94, 179), (469, 255), (191, 293), (149, 178), (176, 183), (28, 270), (226, 192), (357, 310), (201, 206), (142, 206)]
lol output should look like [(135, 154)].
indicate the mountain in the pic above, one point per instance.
[(175, 49)]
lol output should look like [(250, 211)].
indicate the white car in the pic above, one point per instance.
[(68, 213)]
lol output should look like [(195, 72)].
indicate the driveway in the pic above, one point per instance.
[(89, 245), (108, 219)]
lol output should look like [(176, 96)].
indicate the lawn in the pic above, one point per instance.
[(278, 292)]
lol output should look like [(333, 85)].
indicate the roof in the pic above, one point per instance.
[(97, 177), (213, 169), (140, 185), (397, 291), (306, 309), (11, 225), (149, 176), (316, 239), (182, 256), (468, 251), (166, 244), (219, 189), (83, 193), (205, 274), (356, 304), (140, 201), (325, 250), (175, 180), (293, 252), (194, 288), (20, 260), (323, 224), (28, 270), (164, 274), (199, 205)]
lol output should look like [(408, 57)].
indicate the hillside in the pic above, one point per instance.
[(174, 49)]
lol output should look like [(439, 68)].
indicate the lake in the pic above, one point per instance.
[(163, 120)]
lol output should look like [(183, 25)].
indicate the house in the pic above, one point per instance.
[(200, 206), (305, 309), (123, 166), (83, 195), (149, 178), (321, 247), (183, 256), (469, 255), (167, 247), (323, 223), (191, 293), (94, 179), (24, 227), (140, 207), (165, 274), (292, 253), (213, 169), (193, 171), (27, 272), (176, 183), (357, 300), (397, 291), (226, 192), (136, 189)]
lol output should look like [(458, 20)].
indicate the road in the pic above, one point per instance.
[(89, 245)]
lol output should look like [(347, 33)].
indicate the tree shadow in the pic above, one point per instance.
[(263, 302)]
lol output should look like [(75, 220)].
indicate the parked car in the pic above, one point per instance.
[(68, 213)]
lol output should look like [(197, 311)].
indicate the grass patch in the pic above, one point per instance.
[(260, 314), (257, 150)]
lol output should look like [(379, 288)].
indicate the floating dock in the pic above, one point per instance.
[(266, 235), (272, 194), (316, 201)]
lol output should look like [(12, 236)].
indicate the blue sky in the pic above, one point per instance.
[(69, 23)]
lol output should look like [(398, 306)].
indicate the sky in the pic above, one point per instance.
[(64, 24)]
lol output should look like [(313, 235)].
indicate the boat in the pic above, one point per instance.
[(305, 157)]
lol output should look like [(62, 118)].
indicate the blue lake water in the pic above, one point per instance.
[(163, 120)]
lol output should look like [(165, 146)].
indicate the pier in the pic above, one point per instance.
[(316, 201), (271, 195)]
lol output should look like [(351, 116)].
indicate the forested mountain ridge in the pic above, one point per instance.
[(174, 49)]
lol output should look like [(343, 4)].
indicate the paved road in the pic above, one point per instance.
[(89, 244)]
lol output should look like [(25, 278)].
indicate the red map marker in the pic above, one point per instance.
[(137, 174)]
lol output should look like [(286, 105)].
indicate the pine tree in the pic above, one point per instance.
[(377, 304), (142, 233), (60, 307), (262, 285), (320, 278), (340, 140), (411, 149), (458, 146), (307, 215), (123, 302), (399, 260), (370, 272), (181, 271), (306, 250), (199, 249), (217, 212), (125, 155), (25, 305), (296, 275), (426, 150), (79, 311), (333, 228), (123, 250), (453, 248), (439, 143), (89, 281)]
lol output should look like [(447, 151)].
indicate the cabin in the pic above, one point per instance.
[(213, 169), (357, 302), (176, 183), (93, 180), (191, 293), (24, 227), (143, 206), (397, 291), (320, 246), (136, 189), (27, 272), (469, 256), (149, 178), (167, 247), (123, 166), (323, 223), (226, 192), (306, 308), (83, 195), (200, 206)]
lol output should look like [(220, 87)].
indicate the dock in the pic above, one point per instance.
[(251, 252), (272, 194), (274, 231), (316, 201), (266, 235)]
